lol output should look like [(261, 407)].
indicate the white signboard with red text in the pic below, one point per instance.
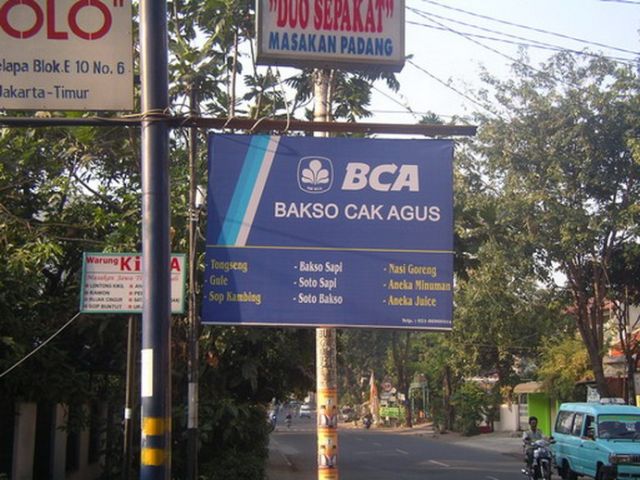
[(348, 34), (66, 55), (112, 283)]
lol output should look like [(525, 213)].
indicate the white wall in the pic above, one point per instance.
[(508, 418), (24, 445), (24, 440)]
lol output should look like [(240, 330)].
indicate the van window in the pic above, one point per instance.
[(564, 422), (590, 426), (618, 426), (577, 425)]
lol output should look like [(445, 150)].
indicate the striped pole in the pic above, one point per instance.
[(155, 378), (327, 403)]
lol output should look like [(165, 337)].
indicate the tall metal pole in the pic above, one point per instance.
[(326, 371), (129, 395), (155, 380), (192, 366)]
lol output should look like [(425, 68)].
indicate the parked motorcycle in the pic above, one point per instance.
[(540, 468)]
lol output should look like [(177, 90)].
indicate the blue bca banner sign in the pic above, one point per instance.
[(336, 232)]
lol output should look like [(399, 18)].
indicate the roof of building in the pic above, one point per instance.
[(528, 387)]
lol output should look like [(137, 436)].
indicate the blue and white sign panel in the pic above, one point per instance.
[(337, 232)]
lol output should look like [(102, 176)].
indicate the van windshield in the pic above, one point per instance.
[(619, 426)]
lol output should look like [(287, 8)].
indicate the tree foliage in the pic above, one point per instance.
[(502, 316), (564, 363), (471, 403), (62, 192), (563, 158), (360, 352)]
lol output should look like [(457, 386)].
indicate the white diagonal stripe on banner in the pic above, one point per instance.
[(258, 189)]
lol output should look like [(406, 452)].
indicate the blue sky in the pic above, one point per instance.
[(448, 56)]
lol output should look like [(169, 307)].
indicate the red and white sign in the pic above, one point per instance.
[(112, 283), (348, 34), (66, 55)]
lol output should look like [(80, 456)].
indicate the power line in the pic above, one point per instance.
[(430, 15), (527, 42), (630, 2), (414, 113), (621, 60), (398, 102), (464, 95), (33, 352), (407, 109), (535, 29), (498, 52)]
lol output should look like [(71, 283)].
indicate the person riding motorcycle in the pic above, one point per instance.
[(528, 439), (367, 420)]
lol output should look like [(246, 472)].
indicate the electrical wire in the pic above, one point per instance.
[(407, 110), (620, 60), (421, 113), (535, 29), (462, 94), (498, 52), (398, 102), (526, 42), (424, 14), (33, 352), (630, 2)]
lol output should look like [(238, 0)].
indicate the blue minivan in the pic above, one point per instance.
[(601, 440)]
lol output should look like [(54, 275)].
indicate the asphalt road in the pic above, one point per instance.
[(386, 455)]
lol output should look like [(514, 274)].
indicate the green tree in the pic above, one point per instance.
[(62, 192), (359, 353), (470, 402), (562, 156), (502, 313), (563, 364), (437, 359), (349, 92), (401, 355), (502, 316)]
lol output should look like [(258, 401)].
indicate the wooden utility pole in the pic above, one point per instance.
[(326, 371)]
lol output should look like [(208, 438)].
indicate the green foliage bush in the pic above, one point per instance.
[(469, 401), (234, 441)]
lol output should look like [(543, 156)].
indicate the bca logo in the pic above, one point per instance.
[(315, 174), (387, 177)]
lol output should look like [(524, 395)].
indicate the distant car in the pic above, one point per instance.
[(305, 411)]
